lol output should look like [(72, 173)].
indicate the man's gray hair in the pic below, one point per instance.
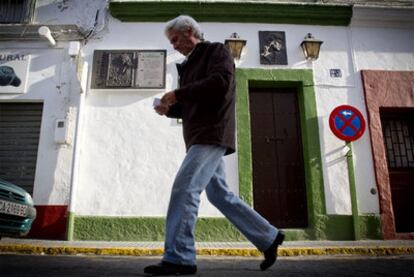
[(182, 23)]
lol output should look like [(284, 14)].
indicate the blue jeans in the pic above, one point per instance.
[(203, 168)]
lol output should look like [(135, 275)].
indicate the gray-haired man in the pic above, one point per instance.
[(205, 101)]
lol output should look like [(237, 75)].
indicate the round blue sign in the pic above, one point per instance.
[(347, 123)]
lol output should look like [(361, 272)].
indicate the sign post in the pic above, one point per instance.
[(348, 124)]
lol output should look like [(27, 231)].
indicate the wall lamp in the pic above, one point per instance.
[(235, 44), (311, 47), (44, 31)]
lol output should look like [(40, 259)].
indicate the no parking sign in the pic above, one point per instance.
[(347, 123)]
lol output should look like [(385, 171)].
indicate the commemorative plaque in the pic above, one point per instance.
[(128, 69)]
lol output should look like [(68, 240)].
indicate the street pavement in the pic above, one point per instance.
[(28, 257), (13, 265)]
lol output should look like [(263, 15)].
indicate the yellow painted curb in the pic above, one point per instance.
[(69, 250), (243, 252)]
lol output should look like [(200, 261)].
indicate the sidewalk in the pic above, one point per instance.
[(289, 248)]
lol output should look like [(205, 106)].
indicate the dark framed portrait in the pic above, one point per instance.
[(272, 47)]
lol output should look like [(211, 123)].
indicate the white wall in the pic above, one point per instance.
[(336, 53), (353, 50), (51, 80), (130, 151), (128, 155), (377, 49), (79, 12)]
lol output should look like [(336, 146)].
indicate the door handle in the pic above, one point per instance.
[(268, 139)]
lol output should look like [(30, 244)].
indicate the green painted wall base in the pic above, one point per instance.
[(148, 229), (333, 227)]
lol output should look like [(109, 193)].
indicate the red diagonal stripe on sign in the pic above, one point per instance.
[(347, 122)]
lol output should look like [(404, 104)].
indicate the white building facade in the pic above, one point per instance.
[(106, 161)]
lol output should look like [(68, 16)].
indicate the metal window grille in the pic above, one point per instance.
[(399, 142), (16, 11), (19, 139)]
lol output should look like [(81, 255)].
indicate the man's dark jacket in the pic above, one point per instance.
[(206, 97)]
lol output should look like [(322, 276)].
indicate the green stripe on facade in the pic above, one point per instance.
[(70, 226), (352, 191), (332, 227), (237, 11), (148, 229)]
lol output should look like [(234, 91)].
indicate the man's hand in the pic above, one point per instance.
[(161, 109), (169, 99)]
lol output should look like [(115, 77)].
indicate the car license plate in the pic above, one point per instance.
[(11, 208)]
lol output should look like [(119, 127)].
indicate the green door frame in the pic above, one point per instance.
[(302, 80)]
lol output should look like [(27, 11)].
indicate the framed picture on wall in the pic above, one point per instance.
[(129, 69), (272, 47)]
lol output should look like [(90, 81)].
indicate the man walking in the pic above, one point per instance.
[(205, 101)]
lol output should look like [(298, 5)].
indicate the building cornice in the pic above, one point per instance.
[(308, 13), (382, 17)]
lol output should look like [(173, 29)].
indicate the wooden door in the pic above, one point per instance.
[(398, 131), (278, 173)]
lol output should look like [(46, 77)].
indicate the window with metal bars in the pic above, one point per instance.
[(398, 131), (16, 11)]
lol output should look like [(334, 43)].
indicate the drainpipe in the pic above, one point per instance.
[(352, 189), (82, 69)]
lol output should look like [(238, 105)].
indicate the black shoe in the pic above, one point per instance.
[(271, 253), (166, 268)]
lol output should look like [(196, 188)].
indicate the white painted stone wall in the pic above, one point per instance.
[(128, 155), (152, 149), (51, 81), (132, 152), (376, 49), (352, 50)]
